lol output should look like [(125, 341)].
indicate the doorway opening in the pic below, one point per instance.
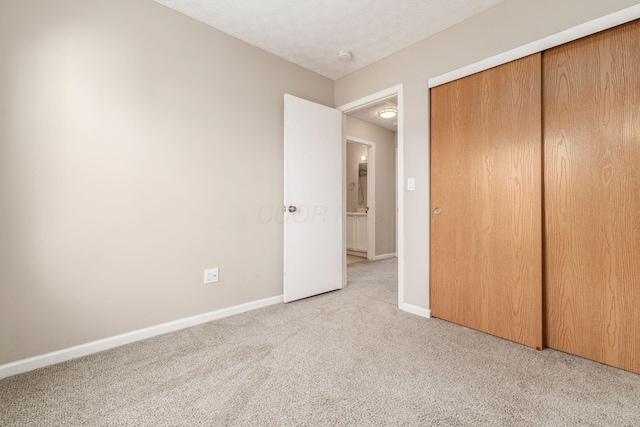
[(360, 189), (373, 188)]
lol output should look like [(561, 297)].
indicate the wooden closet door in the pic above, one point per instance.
[(486, 155), (592, 197)]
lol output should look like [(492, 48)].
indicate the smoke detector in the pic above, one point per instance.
[(345, 56)]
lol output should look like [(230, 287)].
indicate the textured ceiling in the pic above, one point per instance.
[(310, 33), (370, 114)]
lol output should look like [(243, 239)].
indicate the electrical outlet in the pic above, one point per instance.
[(211, 276)]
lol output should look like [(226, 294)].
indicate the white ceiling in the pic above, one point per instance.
[(310, 33), (370, 114)]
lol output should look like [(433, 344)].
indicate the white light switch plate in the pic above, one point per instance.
[(211, 276), (411, 184)]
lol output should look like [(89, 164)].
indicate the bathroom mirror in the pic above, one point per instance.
[(362, 185), (357, 156)]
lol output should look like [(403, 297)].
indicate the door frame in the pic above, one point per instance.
[(394, 91), (371, 193)]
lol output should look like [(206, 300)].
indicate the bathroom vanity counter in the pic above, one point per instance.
[(357, 234)]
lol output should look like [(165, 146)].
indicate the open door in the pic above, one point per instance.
[(313, 211)]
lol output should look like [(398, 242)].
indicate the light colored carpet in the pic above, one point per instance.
[(344, 358)]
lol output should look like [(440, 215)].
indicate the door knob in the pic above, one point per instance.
[(437, 211), (292, 209)]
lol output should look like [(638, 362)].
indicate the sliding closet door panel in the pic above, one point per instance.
[(592, 197), (486, 185)]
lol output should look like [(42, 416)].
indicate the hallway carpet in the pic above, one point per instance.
[(345, 358)]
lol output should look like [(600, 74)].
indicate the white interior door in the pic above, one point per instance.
[(313, 217)]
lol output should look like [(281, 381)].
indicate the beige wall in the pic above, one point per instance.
[(137, 148), (385, 175), (508, 25)]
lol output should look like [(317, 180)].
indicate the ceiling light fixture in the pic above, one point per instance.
[(388, 113), (363, 158), (345, 56)]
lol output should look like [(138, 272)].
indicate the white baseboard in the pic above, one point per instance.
[(375, 258), (356, 253), (385, 256), (414, 309), (63, 355)]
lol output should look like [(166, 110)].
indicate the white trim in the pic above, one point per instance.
[(371, 193), (362, 102), (400, 196), (344, 202), (571, 34), (414, 309), (356, 253), (384, 256), (372, 99), (63, 355)]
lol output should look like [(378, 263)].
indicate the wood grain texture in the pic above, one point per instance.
[(591, 131), (486, 166)]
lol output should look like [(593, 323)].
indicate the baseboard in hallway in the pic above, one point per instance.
[(351, 259)]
